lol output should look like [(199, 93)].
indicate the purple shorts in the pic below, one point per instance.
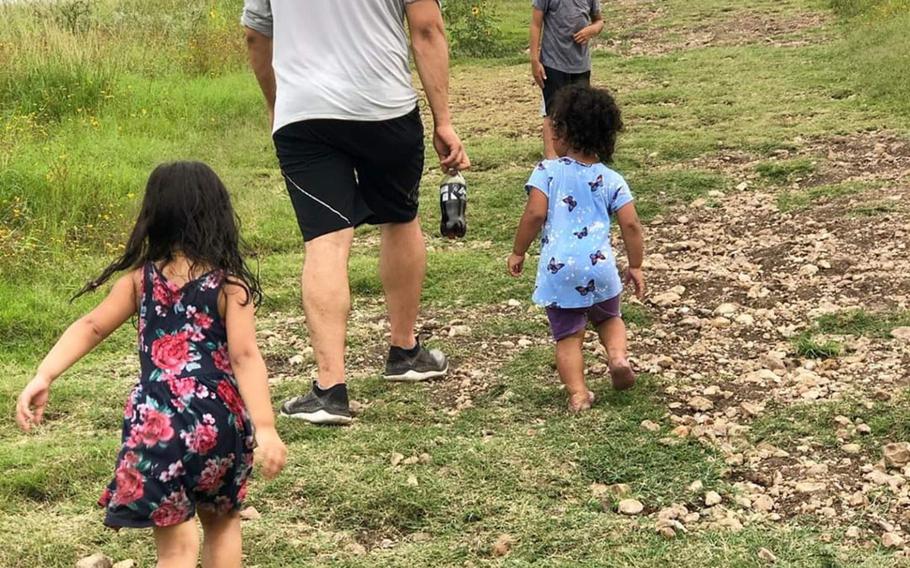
[(565, 322)]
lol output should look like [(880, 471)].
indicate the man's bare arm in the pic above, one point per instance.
[(259, 47), (431, 54)]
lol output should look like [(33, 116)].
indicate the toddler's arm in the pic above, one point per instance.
[(531, 221), (633, 240), (252, 377), (80, 338)]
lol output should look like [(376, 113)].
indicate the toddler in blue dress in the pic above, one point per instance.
[(570, 203)]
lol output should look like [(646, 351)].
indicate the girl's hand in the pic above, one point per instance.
[(271, 453), (34, 395), (516, 264), (635, 277)]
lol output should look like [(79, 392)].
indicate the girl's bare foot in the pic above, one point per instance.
[(622, 375), (581, 402)]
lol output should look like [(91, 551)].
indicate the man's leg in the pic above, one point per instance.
[(402, 268), (327, 302)]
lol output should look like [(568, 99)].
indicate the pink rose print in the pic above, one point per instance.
[(105, 497), (174, 509), (241, 493), (129, 481), (203, 438), (231, 398), (222, 360), (211, 281), (203, 320), (182, 388), (173, 471), (155, 427), (212, 477), (166, 294), (171, 353)]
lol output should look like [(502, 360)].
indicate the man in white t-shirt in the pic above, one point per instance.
[(349, 139)]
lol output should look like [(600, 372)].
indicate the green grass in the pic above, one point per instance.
[(792, 200), (86, 111)]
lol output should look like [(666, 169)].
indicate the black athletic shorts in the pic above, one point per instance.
[(556, 80), (344, 173)]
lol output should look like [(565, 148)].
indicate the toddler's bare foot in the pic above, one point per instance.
[(622, 375), (581, 402)]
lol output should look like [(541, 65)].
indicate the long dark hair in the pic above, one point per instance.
[(588, 119), (186, 210)]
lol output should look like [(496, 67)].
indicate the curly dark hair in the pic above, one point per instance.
[(186, 209), (588, 119)]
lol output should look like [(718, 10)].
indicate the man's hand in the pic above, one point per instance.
[(516, 264), (35, 395), (585, 34), (271, 453), (452, 155), (635, 277), (538, 72)]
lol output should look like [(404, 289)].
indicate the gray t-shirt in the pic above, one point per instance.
[(348, 63), (561, 20)]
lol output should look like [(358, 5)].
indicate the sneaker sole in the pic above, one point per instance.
[(416, 376), (320, 417)]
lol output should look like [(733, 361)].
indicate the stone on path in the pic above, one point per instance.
[(650, 426), (902, 333), (712, 498), (630, 507), (767, 556), (396, 458), (459, 331), (700, 403), (892, 540), (851, 448), (763, 503), (696, 486), (97, 560), (896, 455), (810, 487), (665, 299), (250, 514), (725, 309)]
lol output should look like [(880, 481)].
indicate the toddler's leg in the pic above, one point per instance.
[(178, 545), (613, 337), (571, 366), (222, 546)]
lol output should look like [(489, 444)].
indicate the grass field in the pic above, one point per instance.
[(762, 137)]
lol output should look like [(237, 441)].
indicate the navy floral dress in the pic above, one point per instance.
[(187, 438)]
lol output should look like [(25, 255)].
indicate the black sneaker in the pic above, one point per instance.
[(417, 364), (319, 406)]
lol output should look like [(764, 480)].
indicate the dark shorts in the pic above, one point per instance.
[(556, 80), (565, 322), (344, 173)]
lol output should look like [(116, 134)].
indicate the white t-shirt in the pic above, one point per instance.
[(341, 59)]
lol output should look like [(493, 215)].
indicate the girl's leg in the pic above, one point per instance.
[(571, 366), (178, 545), (613, 337), (222, 544)]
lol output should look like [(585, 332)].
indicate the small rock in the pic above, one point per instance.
[(524, 342), (413, 460), (902, 333), (712, 498), (720, 322), (386, 543), (650, 426), (772, 362), (864, 429), (751, 409), (666, 532), (745, 319), (767, 556), (396, 458), (425, 458), (126, 564), (896, 455), (810, 487), (513, 303), (598, 490), (742, 186), (503, 545), (97, 560), (725, 309), (356, 407), (356, 549), (459, 331), (680, 431), (853, 532), (696, 486), (808, 270), (664, 362), (892, 540), (296, 360), (665, 299), (250, 514), (619, 489), (851, 448), (421, 537), (630, 507), (412, 481), (763, 503), (700, 403)]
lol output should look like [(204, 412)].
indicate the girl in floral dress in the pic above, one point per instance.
[(188, 428)]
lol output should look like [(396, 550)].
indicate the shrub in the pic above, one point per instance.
[(472, 28)]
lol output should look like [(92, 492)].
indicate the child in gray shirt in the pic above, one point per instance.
[(560, 32)]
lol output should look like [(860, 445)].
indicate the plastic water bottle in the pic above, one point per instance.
[(453, 201)]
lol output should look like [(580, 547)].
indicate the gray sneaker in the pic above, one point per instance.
[(319, 406), (418, 364)]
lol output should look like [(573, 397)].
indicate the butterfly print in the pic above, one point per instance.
[(540, 166), (585, 290), (570, 201), (597, 256), (582, 233), (597, 184), (545, 240), (554, 266), (565, 160)]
